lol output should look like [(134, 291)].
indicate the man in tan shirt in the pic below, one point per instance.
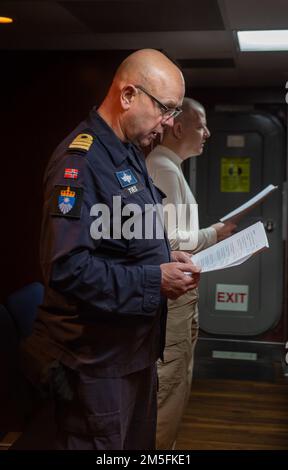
[(184, 140)]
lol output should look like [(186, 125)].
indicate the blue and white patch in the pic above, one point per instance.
[(126, 178), (66, 201)]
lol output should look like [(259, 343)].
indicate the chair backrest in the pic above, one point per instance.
[(22, 305), (16, 322)]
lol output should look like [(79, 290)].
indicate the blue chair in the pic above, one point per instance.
[(21, 408), (22, 305), (16, 323)]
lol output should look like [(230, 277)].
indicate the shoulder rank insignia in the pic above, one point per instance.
[(82, 142), (126, 178), (67, 201)]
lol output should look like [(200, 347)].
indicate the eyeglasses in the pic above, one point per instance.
[(167, 113)]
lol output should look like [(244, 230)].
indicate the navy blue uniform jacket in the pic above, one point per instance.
[(103, 310)]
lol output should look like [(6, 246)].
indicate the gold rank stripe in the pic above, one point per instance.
[(82, 141), (75, 145)]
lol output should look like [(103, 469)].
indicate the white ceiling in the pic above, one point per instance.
[(75, 25)]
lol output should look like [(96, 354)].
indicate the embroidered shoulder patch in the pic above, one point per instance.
[(67, 201), (71, 173), (82, 142), (126, 178)]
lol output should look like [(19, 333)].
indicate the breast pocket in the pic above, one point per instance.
[(142, 224), (135, 205)]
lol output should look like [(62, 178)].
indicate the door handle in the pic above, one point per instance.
[(269, 225)]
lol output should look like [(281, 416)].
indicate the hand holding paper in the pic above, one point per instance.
[(238, 213), (234, 250), (224, 230)]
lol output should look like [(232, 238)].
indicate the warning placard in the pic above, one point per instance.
[(235, 175)]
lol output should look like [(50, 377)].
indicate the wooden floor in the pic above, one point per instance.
[(8, 440), (232, 414), (229, 414)]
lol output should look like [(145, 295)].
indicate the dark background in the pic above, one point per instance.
[(44, 95)]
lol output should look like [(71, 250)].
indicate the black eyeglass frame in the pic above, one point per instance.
[(167, 113)]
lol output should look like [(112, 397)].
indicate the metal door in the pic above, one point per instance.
[(244, 154)]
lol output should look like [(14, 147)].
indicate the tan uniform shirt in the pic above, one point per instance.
[(175, 373), (164, 167)]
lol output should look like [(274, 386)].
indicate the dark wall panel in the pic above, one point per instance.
[(43, 97)]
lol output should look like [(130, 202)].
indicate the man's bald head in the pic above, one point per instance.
[(190, 109), (145, 85), (149, 68), (188, 134)]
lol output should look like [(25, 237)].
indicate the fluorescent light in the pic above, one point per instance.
[(5, 19), (270, 40)]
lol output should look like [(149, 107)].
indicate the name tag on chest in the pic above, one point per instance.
[(133, 189)]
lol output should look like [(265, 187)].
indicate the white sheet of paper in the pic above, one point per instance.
[(247, 206), (234, 250)]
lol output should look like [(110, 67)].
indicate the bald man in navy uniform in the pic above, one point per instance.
[(104, 312)]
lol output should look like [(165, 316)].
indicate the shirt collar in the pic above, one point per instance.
[(118, 151), (162, 149)]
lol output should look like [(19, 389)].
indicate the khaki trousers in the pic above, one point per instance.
[(175, 373)]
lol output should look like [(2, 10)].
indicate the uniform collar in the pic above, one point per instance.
[(117, 149), (162, 150)]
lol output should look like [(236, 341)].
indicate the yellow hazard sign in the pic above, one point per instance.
[(235, 175)]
